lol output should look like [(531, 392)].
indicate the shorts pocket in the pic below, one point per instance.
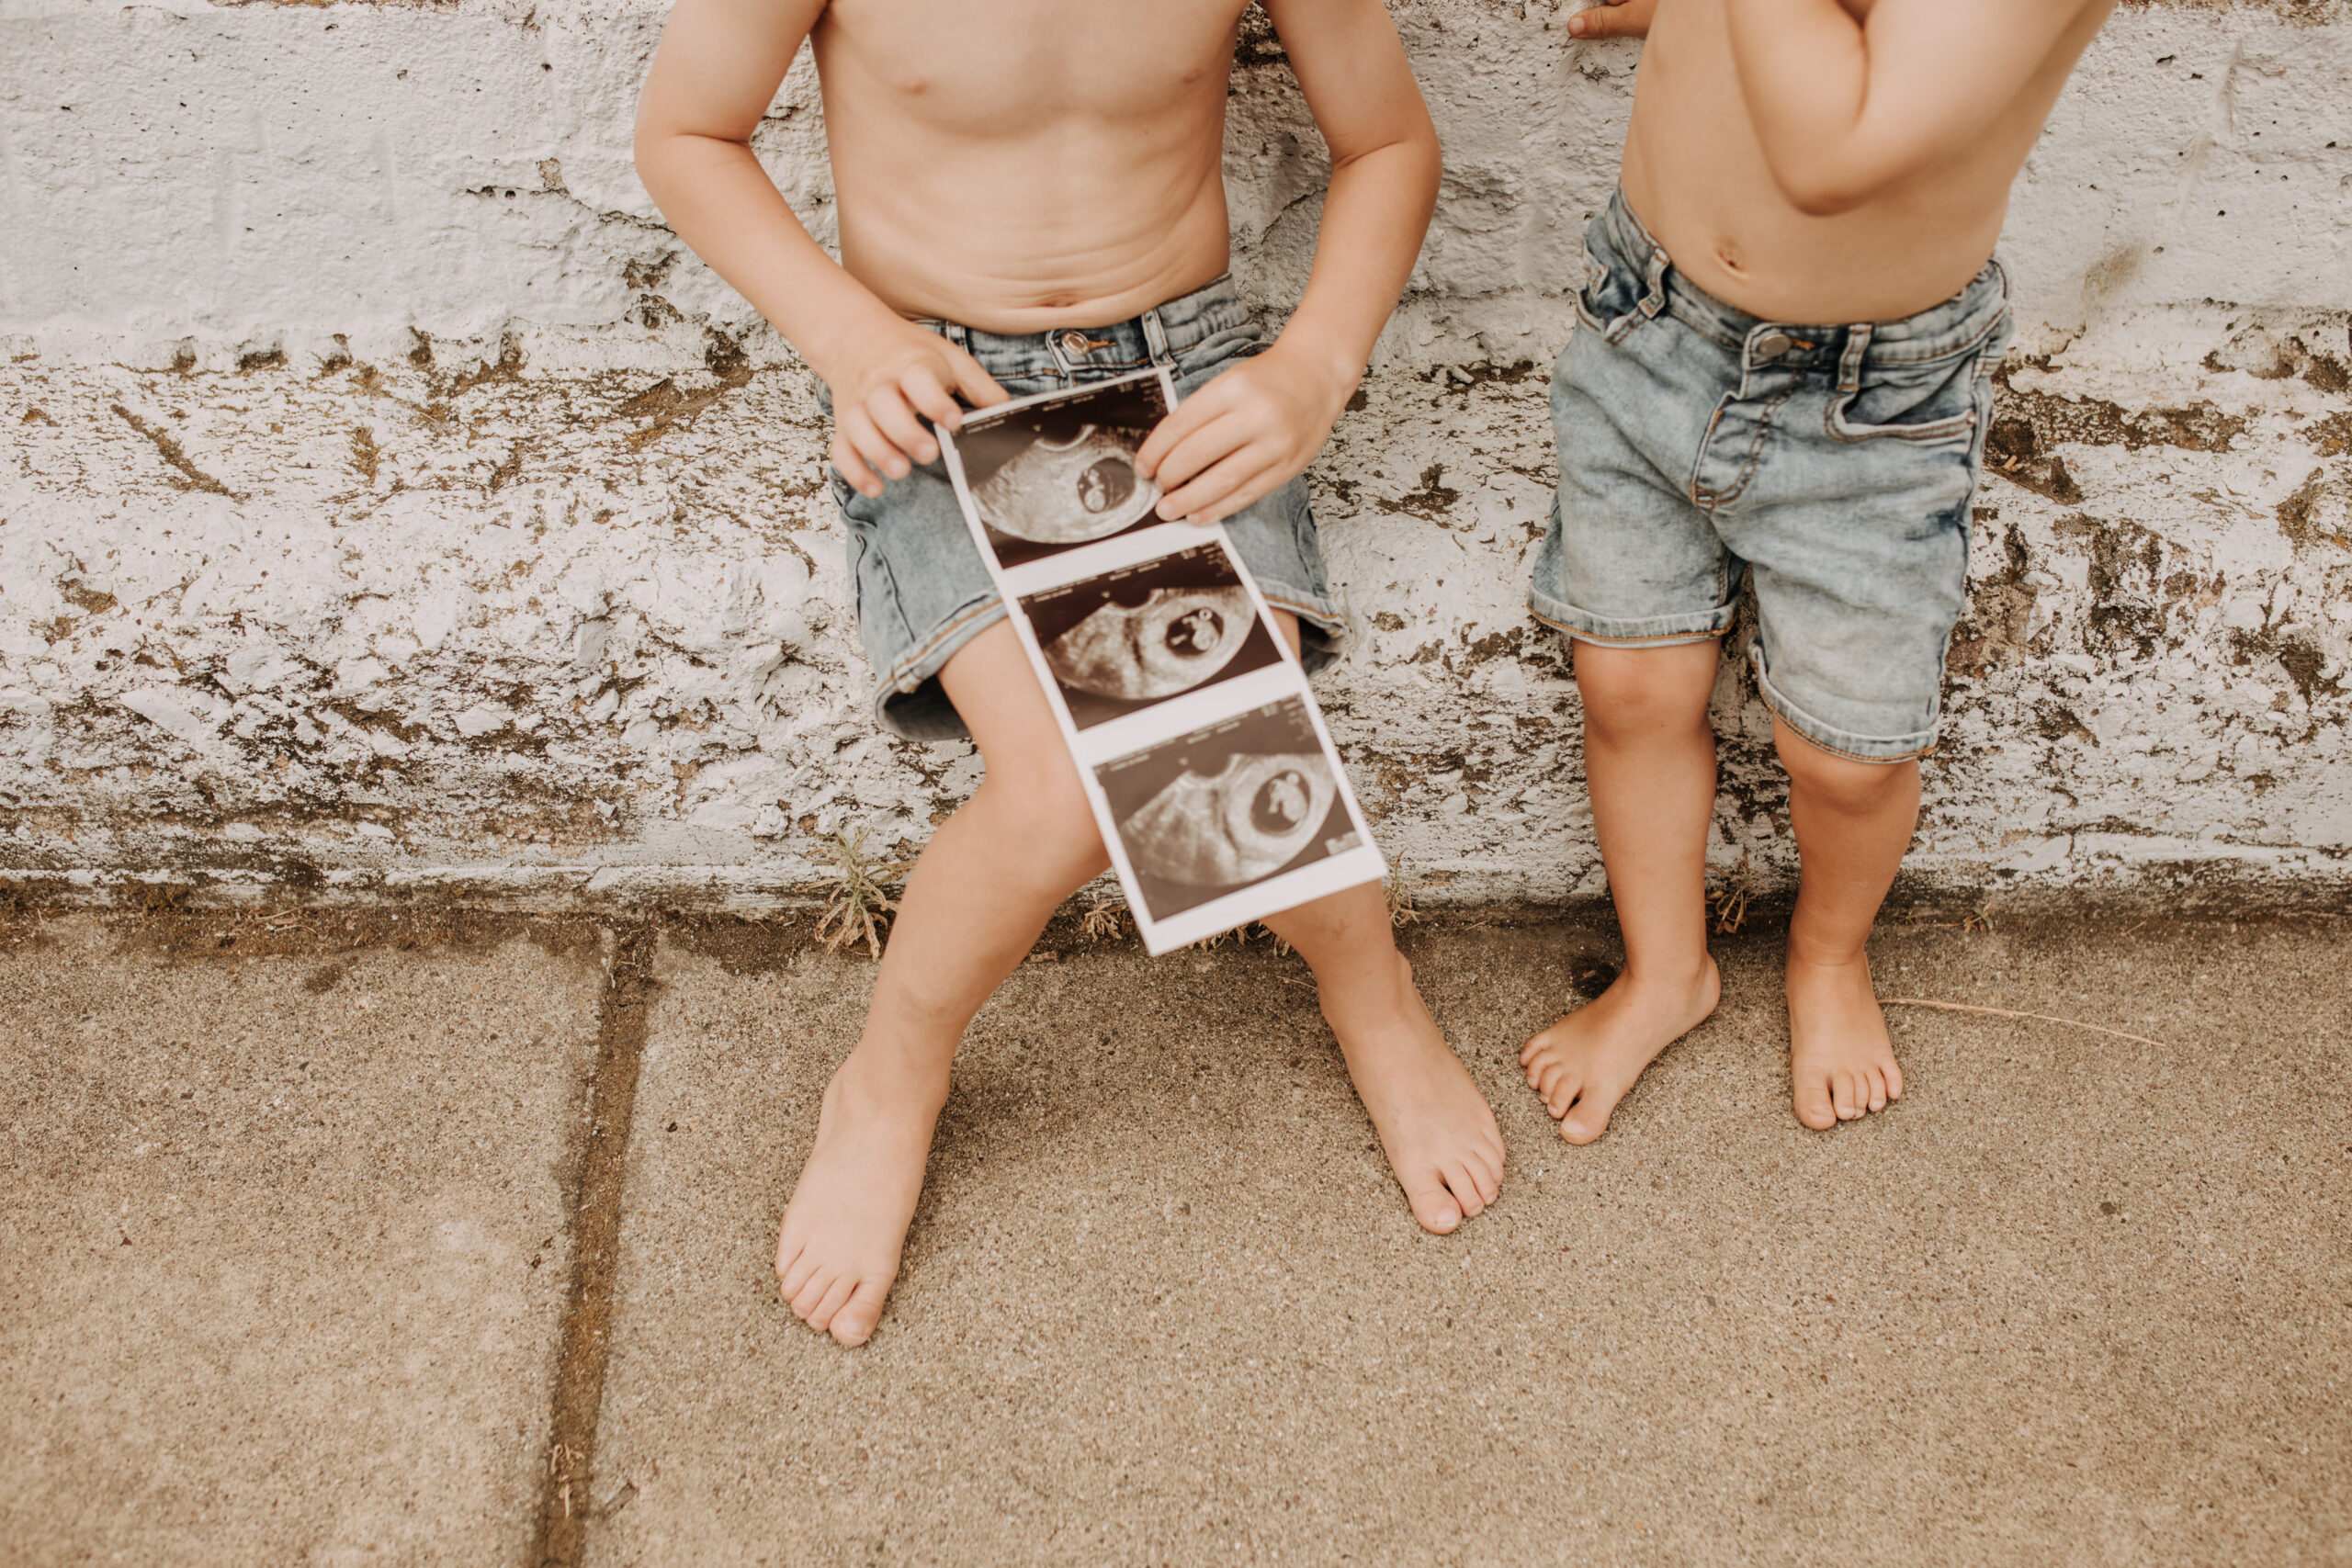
[(1934, 401), (1615, 300), (1596, 278), (1220, 351)]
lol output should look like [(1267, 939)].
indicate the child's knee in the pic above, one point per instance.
[(1841, 782), (1046, 814), (1636, 691)]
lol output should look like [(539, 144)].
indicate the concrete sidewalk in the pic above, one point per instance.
[(287, 1217)]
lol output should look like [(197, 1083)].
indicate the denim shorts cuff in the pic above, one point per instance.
[(1839, 742), (1322, 631), (1617, 631), (908, 701)]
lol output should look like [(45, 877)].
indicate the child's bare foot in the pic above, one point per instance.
[(1437, 1129), (1841, 1063), (1583, 1064), (838, 1251)]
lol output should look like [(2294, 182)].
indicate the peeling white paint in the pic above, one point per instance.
[(503, 567)]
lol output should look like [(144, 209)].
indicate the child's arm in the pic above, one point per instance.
[(717, 71), (1253, 428), (1846, 107)]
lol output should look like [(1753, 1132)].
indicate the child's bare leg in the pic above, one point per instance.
[(1438, 1130), (1650, 768), (1853, 822), (990, 878)]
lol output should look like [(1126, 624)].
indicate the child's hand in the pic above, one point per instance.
[(898, 376), (1614, 18), (1243, 435)]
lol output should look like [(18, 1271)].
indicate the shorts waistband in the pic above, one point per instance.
[(1957, 325), (1157, 336)]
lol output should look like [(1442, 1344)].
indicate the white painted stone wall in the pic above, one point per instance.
[(388, 506)]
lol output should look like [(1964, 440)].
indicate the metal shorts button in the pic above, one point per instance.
[(1075, 343), (1772, 345)]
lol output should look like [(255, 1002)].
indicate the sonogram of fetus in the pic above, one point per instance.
[(1176, 639), (1233, 826), (1067, 491)]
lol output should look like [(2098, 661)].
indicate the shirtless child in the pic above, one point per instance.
[(1029, 196), (1790, 163)]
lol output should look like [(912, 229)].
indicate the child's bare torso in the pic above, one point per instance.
[(1029, 163), (1696, 176)]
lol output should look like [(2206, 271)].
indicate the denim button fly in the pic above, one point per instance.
[(1772, 345), (1075, 343)]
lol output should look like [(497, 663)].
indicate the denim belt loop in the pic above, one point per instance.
[(1155, 340), (1655, 301), (1849, 364)]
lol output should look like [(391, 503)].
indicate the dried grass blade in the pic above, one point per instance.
[(2011, 1013)]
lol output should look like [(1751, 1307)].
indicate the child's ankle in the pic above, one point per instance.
[(1676, 973), (1806, 953), (888, 1074)]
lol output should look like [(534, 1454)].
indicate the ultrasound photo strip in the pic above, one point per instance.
[(1057, 471), (1235, 820), (1136, 634), (1207, 763)]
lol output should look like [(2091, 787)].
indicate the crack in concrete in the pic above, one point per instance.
[(594, 1219), (196, 477)]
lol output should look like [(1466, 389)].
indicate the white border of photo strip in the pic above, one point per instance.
[(1212, 703)]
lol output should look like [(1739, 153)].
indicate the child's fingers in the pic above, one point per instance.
[(1170, 432), (1198, 450), (1220, 492), (979, 388), (929, 396), (854, 472), (1612, 18), (900, 426), (856, 426)]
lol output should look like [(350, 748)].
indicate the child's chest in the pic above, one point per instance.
[(994, 66)]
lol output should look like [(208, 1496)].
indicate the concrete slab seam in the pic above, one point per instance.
[(594, 1215)]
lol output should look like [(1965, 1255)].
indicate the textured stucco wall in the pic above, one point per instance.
[(387, 503)]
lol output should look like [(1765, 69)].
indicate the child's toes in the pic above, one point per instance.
[(1586, 1119), (836, 1297), (1435, 1208), (1562, 1095), (854, 1322), (1845, 1093), (1555, 1086), (1487, 1175), (1463, 1182), (1815, 1108), (811, 1293), (791, 1274)]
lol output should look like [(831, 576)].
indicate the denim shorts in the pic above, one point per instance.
[(922, 591), (1833, 463)]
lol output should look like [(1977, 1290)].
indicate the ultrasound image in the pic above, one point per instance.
[(1142, 634), (1053, 475), (1231, 805)]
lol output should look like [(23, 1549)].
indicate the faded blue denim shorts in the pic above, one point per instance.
[(922, 591), (1835, 464)]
